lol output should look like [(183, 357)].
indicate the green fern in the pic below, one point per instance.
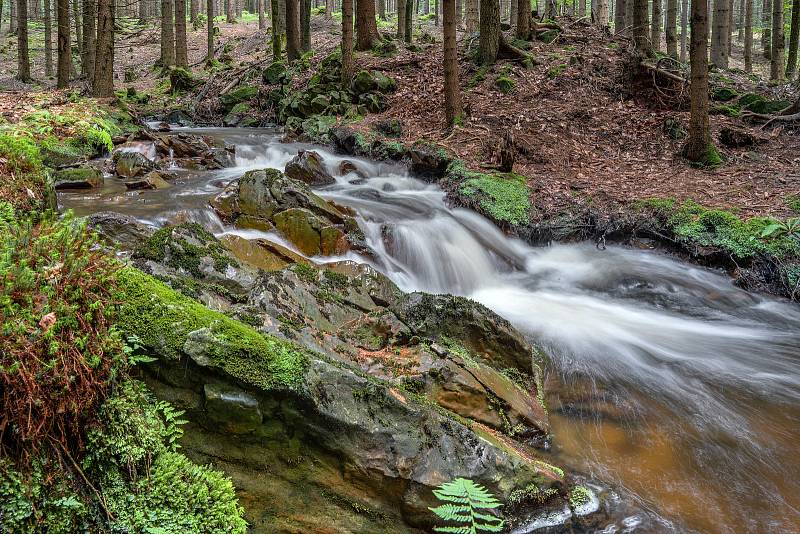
[(464, 504)]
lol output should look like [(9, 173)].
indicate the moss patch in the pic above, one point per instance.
[(502, 196)]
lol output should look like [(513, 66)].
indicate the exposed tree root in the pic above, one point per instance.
[(789, 114)]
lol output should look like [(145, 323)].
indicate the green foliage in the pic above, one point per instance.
[(556, 71), (789, 228), (724, 94), (504, 84), (725, 109), (579, 496), (478, 77), (531, 493), (163, 319), (504, 197), (170, 244), (19, 153), (793, 202), (465, 504)]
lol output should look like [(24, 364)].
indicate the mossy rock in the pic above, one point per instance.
[(240, 94), (276, 74), (725, 109), (548, 36), (181, 79), (767, 107), (77, 178), (504, 84), (724, 94)]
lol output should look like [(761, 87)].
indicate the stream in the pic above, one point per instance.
[(666, 381)]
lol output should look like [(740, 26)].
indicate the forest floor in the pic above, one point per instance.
[(582, 138)]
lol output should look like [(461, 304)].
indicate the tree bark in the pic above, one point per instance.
[(619, 16), (305, 25), (514, 13), (766, 29), (12, 26), (366, 27), (452, 91), (89, 38), (655, 26), (719, 34), (600, 8), (641, 25), (64, 51), (78, 31), (470, 15), (48, 39), (408, 33), (748, 36), (794, 37), (523, 19), (776, 62), (167, 34), (382, 9), (23, 59), (292, 30), (348, 66), (181, 48), (699, 142), (103, 81), (194, 10), (671, 29), (209, 31), (684, 28), (489, 42), (401, 19)]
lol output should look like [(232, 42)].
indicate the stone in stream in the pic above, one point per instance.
[(77, 178), (151, 180), (130, 164), (121, 229), (307, 167)]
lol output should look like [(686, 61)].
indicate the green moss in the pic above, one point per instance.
[(579, 496), (504, 197), (724, 94), (504, 84), (305, 272), (163, 319), (556, 71), (725, 109), (478, 77), (179, 253), (710, 159), (793, 202), (532, 493)]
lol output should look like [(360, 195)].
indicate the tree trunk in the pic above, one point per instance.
[(210, 31), (766, 29), (408, 33), (489, 42), (698, 145), (629, 14), (655, 26), (470, 15), (64, 51), (48, 39), (794, 36), (23, 59), (719, 34), (328, 9), (348, 66), (103, 82), (181, 51), (776, 63), (78, 32), (523, 19), (194, 9), (366, 27), (684, 28), (12, 27), (581, 8), (619, 16), (292, 30), (641, 35), (748, 36), (305, 25), (670, 31), (452, 91), (382, 9), (514, 13), (729, 36), (401, 19), (262, 21), (167, 34), (600, 8)]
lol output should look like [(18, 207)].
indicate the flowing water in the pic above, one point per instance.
[(666, 380)]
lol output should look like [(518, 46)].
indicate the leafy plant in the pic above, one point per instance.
[(464, 504), (789, 228)]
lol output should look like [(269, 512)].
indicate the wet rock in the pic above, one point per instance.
[(307, 166), (231, 409), (368, 81), (56, 159), (347, 167), (181, 79), (276, 74), (77, 178), (737, 137), (310, 234), (122, 229), (130, 164), (428, 161), (261, 253), (179, 117), (151, 180), (240, 94), (220, 158)]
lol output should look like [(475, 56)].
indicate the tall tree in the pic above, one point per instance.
[(366, 26), (655, 26), (209, 30), (401, 19), (489, 42), (230, 11), (78, 30), (470, 15), (262, 23), (452, 91), (89, 38), (523, 20), (64, 51), (641, 25), (748, 36), (408, 33), (194, 9), (305, 25), (766, 29), (720, 33), (794, 36), (292, 30), (167, 34), (278, 24), (684, 28), (776, 61), (348, 66), (103, 82), (48, 39), (600, 8), (619, 16), (181, 48), (12, 26), (23, 59), (699, 145), (382, 9), (671, 29)]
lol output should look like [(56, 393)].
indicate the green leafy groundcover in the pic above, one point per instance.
[(504, 196)]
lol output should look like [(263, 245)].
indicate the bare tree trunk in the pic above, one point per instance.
[(684, 27), (194, 9), (305, 25), (12, 27), (600, 8), (523, 19), (89, 38), (698, 145), (514, 13), (794, 37), (719, 34), (748, 36), (766, 29), (401, 19), (23, 59), (452, 91), (655, 26), (262, 22), (619, 16), (48, 39), (348, 67), (729, 36), (489, 42), (382, 9), (471, 15), (366, 27), (292, 30), (103, 82), (641, 25), (776, 63), (230, 11), (210, 31), (78, 33), (408, 34), (670, 31), (328, 9), (629, 14), (181, 51), (64, 51), (581, 8), (167, 34)]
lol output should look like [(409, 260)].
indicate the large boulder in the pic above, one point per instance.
[(123, 230), (77, 178), (130, 164), (151, 180), (307, 167)]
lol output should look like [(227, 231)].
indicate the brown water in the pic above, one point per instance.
[(667, 383)]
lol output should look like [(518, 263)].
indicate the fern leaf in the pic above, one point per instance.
[(486, 517), (452, 512), (491, 528), (455, 530)]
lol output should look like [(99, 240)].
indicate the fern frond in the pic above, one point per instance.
[(452, 512), (455, 530), (486, 517)]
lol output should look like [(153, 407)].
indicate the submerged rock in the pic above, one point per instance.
[(121, 229), (77, 178), (307, 167), (130, 164), (151, 180)]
